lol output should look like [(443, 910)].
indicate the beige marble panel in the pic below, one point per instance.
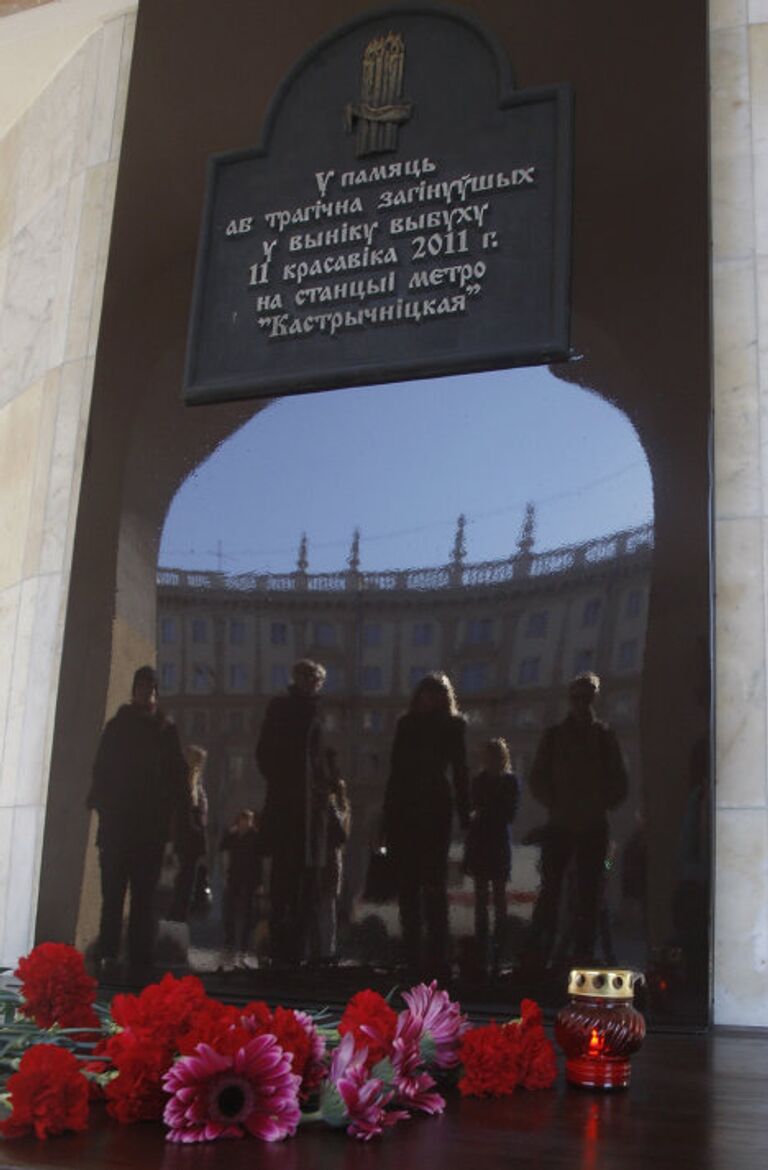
[(30, 290), (68, 255), (23, 883), (90, 258), (740, 677), (727, 13), (758, 57), (9, 158), (42, 471), (21, 683), (121, 96), (100, 263), (48, 135), (4, 257), (9, 606), (738, 479), (86, 113), (731, 142), (6, 835), (762, 320), (758, 11), (741, 914), (19, 422), (66, 460), (106, 92), (45, 648)]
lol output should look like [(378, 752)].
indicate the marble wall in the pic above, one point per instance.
[(57, 175), (739, 79), (58, 167)]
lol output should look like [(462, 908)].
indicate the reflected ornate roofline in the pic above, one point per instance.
[(568, 558)]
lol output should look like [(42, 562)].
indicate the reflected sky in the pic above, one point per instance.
[(400, 463)]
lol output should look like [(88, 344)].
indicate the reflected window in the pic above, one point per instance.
[(628, 655), (480, 631), (168, 676), (634, 603), (372, 678), (238, 676), (421, 634), (167, 630), (334, 679), (278, 676), (201, 678), (198, 724), (473, 677), (237, 632), (528, 674), (416, 674), (199, 630), (591, 612), (536, 626), (526, 719), (373, 721), (582, 661), (372, 634), (278, 633), (325, 634)]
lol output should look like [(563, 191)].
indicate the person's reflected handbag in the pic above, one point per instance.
[(380, 881)]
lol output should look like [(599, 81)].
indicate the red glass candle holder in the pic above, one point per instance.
[(600, 1029)]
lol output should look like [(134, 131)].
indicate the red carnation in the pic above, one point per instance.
[(372, 1022), (49, 1094), (499, 1057), (136, 1093), (166, 1010), (538, 1062), (56, 988), (490, 1059)]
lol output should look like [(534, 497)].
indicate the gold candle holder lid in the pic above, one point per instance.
[(604, 983)]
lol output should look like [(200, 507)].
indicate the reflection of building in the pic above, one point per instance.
[(510, 633)]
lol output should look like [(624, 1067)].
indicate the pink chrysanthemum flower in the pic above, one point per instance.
[(413, 1086), (442, 1023), (351, 1098), (251, 1091)]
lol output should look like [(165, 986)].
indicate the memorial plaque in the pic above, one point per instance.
[(407, 214)]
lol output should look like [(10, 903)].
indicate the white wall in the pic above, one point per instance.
[(739, 71), (58, 167)]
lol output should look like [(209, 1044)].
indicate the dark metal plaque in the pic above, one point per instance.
[(407, 215)]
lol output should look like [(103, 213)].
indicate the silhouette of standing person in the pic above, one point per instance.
[(244, 876), (418, 814), (578, 774), (324, 936), (189, 836), (139, 788), (495, 796), (294, 821)]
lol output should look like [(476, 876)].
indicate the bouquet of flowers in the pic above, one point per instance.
[(211, 1070)]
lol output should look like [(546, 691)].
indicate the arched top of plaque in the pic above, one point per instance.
[(407, 214)]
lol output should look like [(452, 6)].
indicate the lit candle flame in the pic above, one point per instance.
[(596, 1043)]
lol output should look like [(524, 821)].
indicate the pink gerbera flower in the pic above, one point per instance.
[(413, 1086), (251, 1091), (351, 1098), (442, 1023)]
